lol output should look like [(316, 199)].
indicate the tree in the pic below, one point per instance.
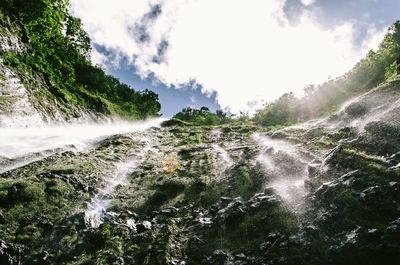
[(204, 109), (76, 36), (202, 116), (148, 103), (284, 110)]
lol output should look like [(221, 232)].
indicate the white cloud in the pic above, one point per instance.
[(245, 51), (98, 58), (307, 2)]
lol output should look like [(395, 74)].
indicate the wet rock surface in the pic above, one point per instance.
[(201, 195)]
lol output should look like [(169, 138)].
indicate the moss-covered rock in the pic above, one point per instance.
[(181, 204)]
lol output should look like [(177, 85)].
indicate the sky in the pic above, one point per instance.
[(233, 55)]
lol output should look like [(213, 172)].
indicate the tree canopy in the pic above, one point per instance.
[(202, 116)]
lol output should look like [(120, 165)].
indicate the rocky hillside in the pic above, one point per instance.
[(285, 188), (26, 99), (46, 76), (322, 192)]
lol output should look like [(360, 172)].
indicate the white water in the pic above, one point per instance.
[(7, 165), (116, 178), (376, 114), (18, 142), (224, 161), (382, 105), (285, 167)]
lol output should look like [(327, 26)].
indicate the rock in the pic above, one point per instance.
[(143, 227), (394, 227), (130, 223), (325, 188), (313, 169), (205, 221), (383, 129), (42, 257), (234, 204), (356, 109), (5, 256), (395, 166), (347, 178), (395, 156), (93, 218), (3, 247), (226, 200), (170, 211), (261, 199), (372, 194), (311, 230), (394, 160), (219, 257), (176, 262), (330, 157), (11, 43), (208, 223), (351, 237)]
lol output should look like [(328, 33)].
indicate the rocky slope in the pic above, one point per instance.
[(46, 76), (323, 192), (25, 95), (23, 102)]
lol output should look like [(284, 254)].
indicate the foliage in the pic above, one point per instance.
[(59, 49), (375, 68), (391, 72), (282, 111), (203, 116)]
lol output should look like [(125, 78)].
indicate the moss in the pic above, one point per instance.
[(7, 101), (20, 192), (196, 216)]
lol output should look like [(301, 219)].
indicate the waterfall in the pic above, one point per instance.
[(117, 177), (285, 168), (19, 146)]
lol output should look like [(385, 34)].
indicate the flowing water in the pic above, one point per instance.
[(285, 167), (377, 114), (20, 146), (116, 178), (223, 160), (379, 106)]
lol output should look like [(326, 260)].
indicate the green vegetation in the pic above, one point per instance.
[(376, 68), (283, 111), (58, 49), (193, 117)]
